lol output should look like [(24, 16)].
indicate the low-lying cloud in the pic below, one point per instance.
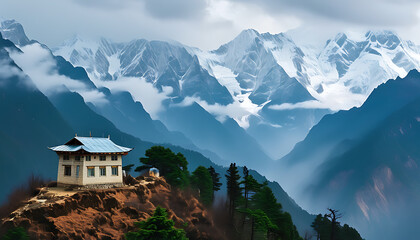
[(141, 90), (38, 63), (238, 111)]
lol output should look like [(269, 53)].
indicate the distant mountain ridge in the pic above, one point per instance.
[(36, 121), (364, 161), (281, 88)]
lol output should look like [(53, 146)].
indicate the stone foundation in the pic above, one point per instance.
[(91, 186)]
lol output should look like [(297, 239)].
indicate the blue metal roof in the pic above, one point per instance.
[(91, 145)]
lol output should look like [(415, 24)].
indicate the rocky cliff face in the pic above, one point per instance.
[(109, 213)]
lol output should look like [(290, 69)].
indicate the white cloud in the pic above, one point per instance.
[(8, 72), (313, 104), (40, 66), (239, 111), (141, 90), (205, 23), (334, 97)]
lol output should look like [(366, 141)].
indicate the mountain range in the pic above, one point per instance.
[(273, 88), (334, 115), (42, 115), (364, 161)]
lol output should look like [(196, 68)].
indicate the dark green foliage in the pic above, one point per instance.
[(17, 233), (251, 186), (234, 191), (172, 166), (348, 233), (202, 180), (157, 227), (265, 201), (246, 185), (216, 179), (259, 221), (323, 226), (127, 168)]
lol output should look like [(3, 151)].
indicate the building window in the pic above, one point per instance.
[(102, 158), (77, 158), (102, 171), (91, 171), (67, 170), (66, 157), (114, 170), (77, 170), (114, 157), (88, 158)]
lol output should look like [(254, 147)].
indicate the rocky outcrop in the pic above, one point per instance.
[(109, 213)]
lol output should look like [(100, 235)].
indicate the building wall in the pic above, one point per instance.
[(83, 178)]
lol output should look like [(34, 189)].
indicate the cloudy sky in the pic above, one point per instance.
[(208, 23)]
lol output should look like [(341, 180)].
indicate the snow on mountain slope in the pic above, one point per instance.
[(361, 66), (256, 76)]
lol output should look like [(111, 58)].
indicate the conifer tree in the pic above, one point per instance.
[(251, 186), (246, 185), (202, 180), (234, 191), (172, 166), (215, 178), (157, 227)]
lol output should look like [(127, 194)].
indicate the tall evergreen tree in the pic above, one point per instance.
[(251, 186), (216, 179), (265, 200), (234, 191), (202, 180), (246, 184), (157, 227), (317, 226), (174, 167), (259, 222), (323, 226)]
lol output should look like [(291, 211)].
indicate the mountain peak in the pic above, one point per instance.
[(249, 32), (380, 33), (386, 38), (13, 31), (246, 36)]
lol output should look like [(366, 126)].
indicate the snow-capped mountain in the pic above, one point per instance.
[(363, 65), (160, 63), (114, 97), (265, 82)]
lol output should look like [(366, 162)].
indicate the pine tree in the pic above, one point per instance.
[(216, 179), (251, 186), (265, 200), (317, 226), (17, 233), (202, 180), (172, 166), (245, 182), (234, 191), (259, 221), (157, 227)]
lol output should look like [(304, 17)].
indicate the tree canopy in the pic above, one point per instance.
[(17, 233), (215, 178), (174, 167), (202, 180), (323, 227), (234, 190), (157, 227)]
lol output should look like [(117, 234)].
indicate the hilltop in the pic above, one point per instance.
[(109, 213)]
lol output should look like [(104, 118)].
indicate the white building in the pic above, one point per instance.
[(90, 162)]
